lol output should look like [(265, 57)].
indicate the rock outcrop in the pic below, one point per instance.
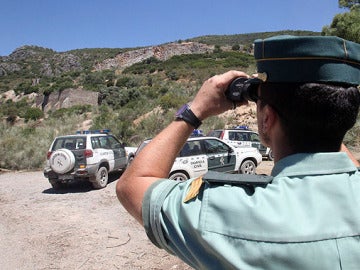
[(161, 52), (66, 99)]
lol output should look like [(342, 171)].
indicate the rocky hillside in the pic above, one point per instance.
[(47, 63), (50, 80), (38, 61), (43, 71), (161, 52)]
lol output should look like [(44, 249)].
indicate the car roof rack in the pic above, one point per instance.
[(96, 131)]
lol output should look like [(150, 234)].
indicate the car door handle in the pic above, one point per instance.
[(212, 157)]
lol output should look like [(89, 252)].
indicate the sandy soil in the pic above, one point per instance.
[(74, 228)]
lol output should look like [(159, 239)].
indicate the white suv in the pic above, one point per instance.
[(87, 155), (201, 154), (242, 136)]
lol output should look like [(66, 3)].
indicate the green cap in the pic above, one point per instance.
[(326, 59)]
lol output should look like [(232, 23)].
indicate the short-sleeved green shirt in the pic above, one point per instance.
[(308, 217)]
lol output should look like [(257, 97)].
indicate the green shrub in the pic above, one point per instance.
[(172, 75), (33, 114), (235, 47), (122, 82), (65, 112), (170, 100), (154, 123)]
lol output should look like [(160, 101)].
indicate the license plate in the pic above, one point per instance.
[(66, 177)]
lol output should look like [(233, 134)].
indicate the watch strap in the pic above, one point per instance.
[(187, 115)]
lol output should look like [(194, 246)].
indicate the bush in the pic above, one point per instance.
[(153, 124), (33, 114), (119, 122), (235, 47), (170, 100), (122, 82)]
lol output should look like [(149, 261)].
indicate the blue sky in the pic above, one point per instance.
[(75, 24)]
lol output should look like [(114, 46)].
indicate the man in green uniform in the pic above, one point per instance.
[(308, 215)]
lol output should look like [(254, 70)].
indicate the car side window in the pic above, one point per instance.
[(104, 142), (191, 148), (59, 143), (113, 143), (80, 143), (234, 136), (254, 137), (215, 147), (238, 136), (95, 142)]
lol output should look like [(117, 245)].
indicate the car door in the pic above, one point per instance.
[(221, 157), (120, 160), (255, 140)]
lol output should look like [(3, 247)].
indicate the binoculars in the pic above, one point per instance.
[(241, 89)]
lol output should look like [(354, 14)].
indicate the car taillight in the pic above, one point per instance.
[(88, 153), (48, 154)]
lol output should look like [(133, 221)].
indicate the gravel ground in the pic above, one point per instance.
[(74, 228)]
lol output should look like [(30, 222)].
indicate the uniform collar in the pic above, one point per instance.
[(313, 164)]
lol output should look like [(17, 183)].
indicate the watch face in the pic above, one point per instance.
[(181, 110)]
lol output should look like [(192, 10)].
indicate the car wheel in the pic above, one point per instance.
[(101, 178), (270, 155), (247, 167), (62, 161), (179, 176)]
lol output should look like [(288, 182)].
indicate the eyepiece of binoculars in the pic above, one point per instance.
[(240, 89)]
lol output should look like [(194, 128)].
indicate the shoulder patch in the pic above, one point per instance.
[(237, 179), (194, 189)]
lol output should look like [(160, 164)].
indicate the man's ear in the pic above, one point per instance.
[(269, 118)]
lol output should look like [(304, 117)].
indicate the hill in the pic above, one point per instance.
[(44, 73), (132, 91)]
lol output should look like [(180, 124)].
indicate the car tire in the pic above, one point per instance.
[(179, 176), (62, 161), (270, 155), (247, 167), (101, 178)]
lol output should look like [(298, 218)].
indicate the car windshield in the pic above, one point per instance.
[(71, 143)]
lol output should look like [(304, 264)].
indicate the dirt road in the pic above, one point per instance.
[(75, 228)]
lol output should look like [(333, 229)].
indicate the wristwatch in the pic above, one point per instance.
[(186, 114)]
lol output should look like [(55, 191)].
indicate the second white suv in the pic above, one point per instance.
[(242, 136), (87, 155), (201, 154)]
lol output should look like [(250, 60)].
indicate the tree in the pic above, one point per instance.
[(346, 25), (348, 3)]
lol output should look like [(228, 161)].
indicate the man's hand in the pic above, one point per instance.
[(211, 99)]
